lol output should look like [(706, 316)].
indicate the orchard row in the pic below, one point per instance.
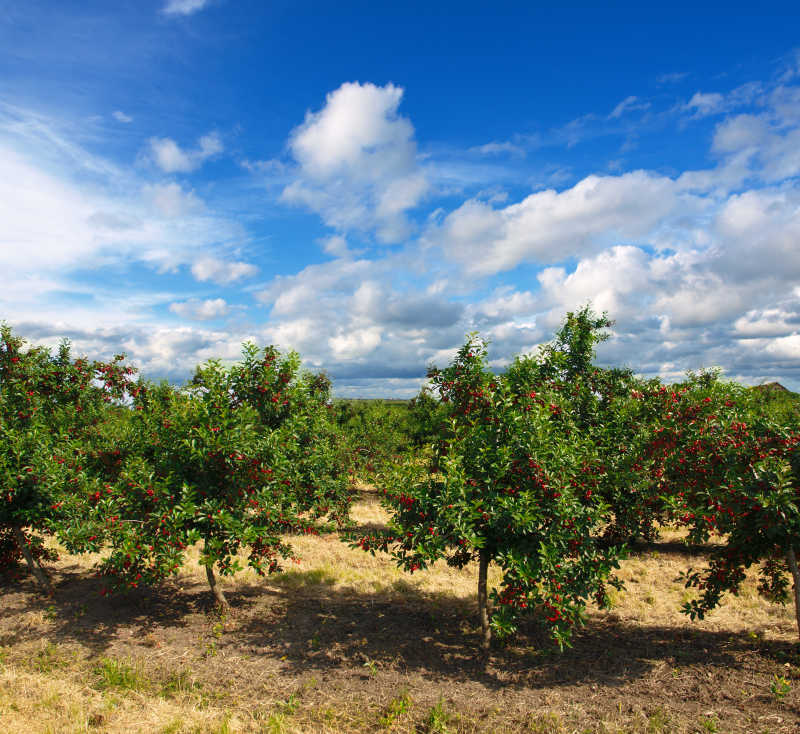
[(548, 470)]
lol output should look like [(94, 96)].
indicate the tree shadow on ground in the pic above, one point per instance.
[(321, 628), (314, 627), (80, 613), (673, 548)]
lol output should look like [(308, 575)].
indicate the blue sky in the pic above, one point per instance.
[(366, 184)]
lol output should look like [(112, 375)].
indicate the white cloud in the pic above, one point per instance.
[(629, 104), (183, 7), (605, 279), (355, 343), (499, 148), (54, 224), (785, 347), (170, 199), (171, 158), (550, 226), (768, 322), (759, 231), (198, 310), (703, 104), (672, 77), (357, 163), (222, 271), (120, 116), (336, 245)]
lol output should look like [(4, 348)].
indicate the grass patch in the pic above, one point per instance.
[(118, 674)]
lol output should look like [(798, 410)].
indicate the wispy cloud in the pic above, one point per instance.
[(672, 77), (184, 7), (629, 104)]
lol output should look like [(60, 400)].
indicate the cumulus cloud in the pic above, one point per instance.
[(337, 246), (120, 116), (356, 162), (222, 271), (698, 268), (768, 322), (198, 310), (551, 225), (171, 158)]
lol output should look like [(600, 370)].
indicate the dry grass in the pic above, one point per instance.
[(346, 642)]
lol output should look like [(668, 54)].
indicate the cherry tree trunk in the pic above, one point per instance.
[(36, 569)]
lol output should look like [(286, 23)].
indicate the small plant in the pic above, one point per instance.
[(437, 719), (276, 723), (372, 667), (211, 649), (49, 658), (545, 724), (179, 683), (396, 708), (710, 724), (658, 722), (118, 674), (779, 687)]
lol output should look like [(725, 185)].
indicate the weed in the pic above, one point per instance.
[(397, 707), (173, 727), (118, 674), (51, 613), (545, 724), (290, 705), (49, 658), (276, 723), (658, 722), (779, 687), (710, 724), (372, 667), (437, 719), (179, 683)]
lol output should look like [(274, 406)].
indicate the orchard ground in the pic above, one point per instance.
[(344, 642)]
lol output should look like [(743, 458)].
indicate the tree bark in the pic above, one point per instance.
[(36, 569), (216, 589), (483, 600), (792, 560)]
